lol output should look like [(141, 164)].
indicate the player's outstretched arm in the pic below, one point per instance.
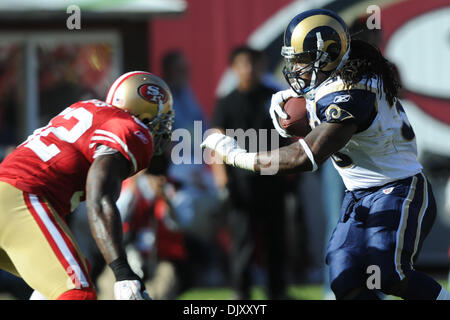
[(316, 147), (305, 155), (104, 182)]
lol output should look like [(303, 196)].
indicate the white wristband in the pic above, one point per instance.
[(245, 160), (309, 154)]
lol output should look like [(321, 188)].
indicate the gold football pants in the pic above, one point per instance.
[(37, 245)]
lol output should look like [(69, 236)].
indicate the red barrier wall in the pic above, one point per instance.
[(206, 33)]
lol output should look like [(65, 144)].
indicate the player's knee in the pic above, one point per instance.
[(352, 294), (337, 290), (414, 286), (397, 288), (391, 283), (79, 294)]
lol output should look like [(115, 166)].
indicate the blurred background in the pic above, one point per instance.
[(45, 67)]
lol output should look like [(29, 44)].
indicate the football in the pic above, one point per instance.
[(297, 122)]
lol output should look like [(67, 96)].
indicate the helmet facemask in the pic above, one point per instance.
[(148, 98), (161, 128), (295, 76), (311, 62)]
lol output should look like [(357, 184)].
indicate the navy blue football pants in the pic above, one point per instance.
[(383, 227)]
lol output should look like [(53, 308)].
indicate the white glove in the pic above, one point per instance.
[(130, 290), (225, 146), (276, 109)]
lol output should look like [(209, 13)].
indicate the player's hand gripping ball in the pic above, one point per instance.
[(296, 124)]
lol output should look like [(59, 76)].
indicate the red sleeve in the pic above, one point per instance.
[(131, 139)]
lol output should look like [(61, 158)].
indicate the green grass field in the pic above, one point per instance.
[(306, 292), (298, 292)]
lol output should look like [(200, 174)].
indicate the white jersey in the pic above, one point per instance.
[(384, 147)]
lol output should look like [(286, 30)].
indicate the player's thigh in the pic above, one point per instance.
[(345, 258), (43, 251), (397, 226), (345, 252), (10, 201), (347, 239)]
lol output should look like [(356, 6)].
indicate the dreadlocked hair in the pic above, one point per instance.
[(367, 61)]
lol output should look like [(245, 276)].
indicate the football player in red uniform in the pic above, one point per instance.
[(84, 153)]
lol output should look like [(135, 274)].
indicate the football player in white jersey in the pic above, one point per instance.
[(358, 121)]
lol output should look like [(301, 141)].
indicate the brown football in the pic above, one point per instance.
[(297, 122)]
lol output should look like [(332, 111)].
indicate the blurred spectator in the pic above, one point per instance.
[(10, 99), (299, 247), (155, 242), (198, 215), (257, 215), (157, 211), (268, 78), (298, 252), (155, 245), (5, 150), (437, 168), (197, 190), (71, 72), (175, 68)]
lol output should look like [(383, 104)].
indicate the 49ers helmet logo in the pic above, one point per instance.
[(152, 93)]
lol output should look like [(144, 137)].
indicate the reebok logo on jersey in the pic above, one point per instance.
[(388, 190), (343, 98), (141, 136)]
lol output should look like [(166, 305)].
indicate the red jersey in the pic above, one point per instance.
[(54, 161), (170, 244)]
